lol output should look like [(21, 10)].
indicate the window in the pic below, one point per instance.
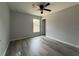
[(36, 25)]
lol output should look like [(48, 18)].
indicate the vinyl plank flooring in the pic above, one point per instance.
[(40, 46)]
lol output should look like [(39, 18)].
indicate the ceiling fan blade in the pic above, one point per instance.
[(47, 9), (47, 4)]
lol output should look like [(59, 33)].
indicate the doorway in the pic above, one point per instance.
[(43, 26)]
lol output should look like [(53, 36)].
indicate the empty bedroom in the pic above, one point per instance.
[(39, 28)]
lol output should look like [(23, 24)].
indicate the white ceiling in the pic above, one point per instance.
[(26, 7)]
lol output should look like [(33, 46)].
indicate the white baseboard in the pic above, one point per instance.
[(63, 42), (23, 38), (5, 50), (18, 38)]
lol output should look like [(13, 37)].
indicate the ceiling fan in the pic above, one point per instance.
[(42, 6)]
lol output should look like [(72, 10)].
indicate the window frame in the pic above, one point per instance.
[(39, 25)]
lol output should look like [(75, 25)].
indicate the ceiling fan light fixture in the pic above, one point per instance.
[(42, 6)]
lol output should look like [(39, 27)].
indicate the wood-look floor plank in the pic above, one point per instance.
[(40, 46)]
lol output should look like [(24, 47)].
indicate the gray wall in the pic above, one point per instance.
[(21, 25), (64, 25), (4, 27)]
